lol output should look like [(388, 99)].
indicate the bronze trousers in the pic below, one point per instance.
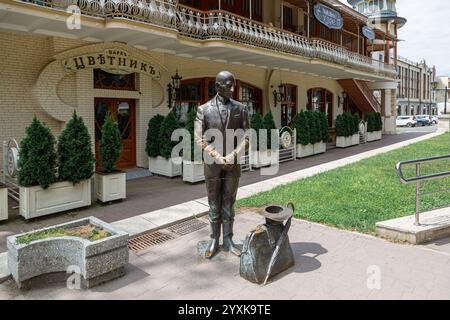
[(222, 183)]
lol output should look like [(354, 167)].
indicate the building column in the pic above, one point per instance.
[(388, 110)]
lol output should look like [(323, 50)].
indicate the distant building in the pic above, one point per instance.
[(415, 93)]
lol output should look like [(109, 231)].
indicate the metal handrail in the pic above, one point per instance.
[(418, 179)]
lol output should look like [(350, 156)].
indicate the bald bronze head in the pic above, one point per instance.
[(225, 83)]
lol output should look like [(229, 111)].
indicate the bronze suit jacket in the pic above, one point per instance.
[(209, 117)]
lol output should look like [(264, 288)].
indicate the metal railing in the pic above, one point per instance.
[(418, 179), (220, 25)]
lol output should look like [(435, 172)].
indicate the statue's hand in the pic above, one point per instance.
[(231, 158)]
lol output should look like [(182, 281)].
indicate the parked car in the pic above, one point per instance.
[(423, 120), (406, 121)]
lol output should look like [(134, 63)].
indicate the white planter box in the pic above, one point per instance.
[(305, 151), (60, 196), (320, 147), (374, 136), (193, 171), (3, 203), (355, 139), (111, 186), (165, 167), (260, 159), (343, 142)]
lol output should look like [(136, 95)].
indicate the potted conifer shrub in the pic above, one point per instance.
[(321, 131), (301, 125), (343, 131), (374, 126), (321, 147), (257, 124), (110, 182), (42, 192), (264, 156), (160, 162), (193, 171), (3, 202)]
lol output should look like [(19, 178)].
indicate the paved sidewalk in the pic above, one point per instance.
[(330, 264), (148, 195)]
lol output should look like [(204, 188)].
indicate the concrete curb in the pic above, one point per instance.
[(166, 217)]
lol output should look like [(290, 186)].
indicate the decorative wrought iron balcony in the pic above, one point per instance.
[(221, 25)]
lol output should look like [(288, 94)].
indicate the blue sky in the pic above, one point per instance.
[(427, 32)]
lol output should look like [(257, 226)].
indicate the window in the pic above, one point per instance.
[(239, 7), (106, 80), (288, 105), (251, 97), (321, 100), (195, 92), (288, 21)]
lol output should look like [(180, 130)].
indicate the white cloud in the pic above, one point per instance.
[(426, 35)]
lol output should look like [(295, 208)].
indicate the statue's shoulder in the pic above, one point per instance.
[(237, 104), (206, 106)]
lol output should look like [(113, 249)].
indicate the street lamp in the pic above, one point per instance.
[(435, 85)]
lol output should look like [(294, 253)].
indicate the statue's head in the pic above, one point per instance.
[(225, 83)]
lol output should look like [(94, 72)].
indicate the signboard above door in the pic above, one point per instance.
[(328, 16), (368, 33)]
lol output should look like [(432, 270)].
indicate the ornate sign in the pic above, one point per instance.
[(12, 158), (368, 33), (116, 61), (328, 16), (286, 139)]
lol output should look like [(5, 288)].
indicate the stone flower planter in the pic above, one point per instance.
[(193, 171), (345, 142), (304, 151), (320, 147), (374, 136), (111, 186), (61, 196), (3, 202), (259, 159), (98, 261), (165, 167)]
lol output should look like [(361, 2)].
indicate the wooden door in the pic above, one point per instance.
[(124, 112)]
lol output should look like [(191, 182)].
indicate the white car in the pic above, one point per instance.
[(406, 121), (434, 120)]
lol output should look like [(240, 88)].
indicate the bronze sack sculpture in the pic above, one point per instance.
[(222, 114)]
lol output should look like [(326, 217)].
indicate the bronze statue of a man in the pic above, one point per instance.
[(222, 174)]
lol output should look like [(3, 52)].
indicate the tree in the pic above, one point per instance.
[(168, 126), (257, 124), (324, 127), (313, 129), (190, 126), (301, 126), (317, 122), (75, 157), (341, 126), (110, 144), (269, 124), (37, 157), (152, 143)]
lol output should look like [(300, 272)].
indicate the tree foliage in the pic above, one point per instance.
[(152, 143), (110, 144)]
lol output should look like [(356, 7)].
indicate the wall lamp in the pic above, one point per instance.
[(173, 88), (279, 95)]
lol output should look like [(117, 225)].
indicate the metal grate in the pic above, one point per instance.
[(148, 240), (187, 227)]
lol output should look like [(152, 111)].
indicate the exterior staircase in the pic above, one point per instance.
[(361, 95)]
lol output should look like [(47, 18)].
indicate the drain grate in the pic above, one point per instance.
[(187, 227), (149, 240)]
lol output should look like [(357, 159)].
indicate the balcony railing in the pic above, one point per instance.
[(220, 25)]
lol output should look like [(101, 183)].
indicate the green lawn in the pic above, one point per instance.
[(357, 196)]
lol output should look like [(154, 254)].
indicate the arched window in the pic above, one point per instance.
[(195, 92), (250, 96), (288, 104), (320, 99)]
